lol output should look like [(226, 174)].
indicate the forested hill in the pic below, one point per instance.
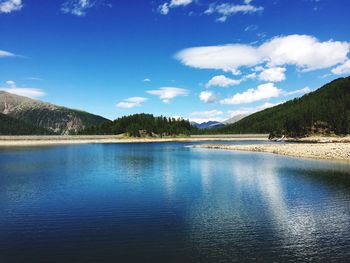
[(326, 110), (11, 126), (142, 125)]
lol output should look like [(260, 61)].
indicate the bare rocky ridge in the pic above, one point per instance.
[(55, 118)]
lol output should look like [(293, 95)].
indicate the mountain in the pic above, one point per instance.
[(11, 126), (142, 125), (207, 125), (57, 119), (235, 119), (326, 110)]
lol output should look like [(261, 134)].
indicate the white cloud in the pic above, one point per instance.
[(132, 102), (35, 78), (147, 80), (207, 97), (175, 3), (8, 6), (227, 9), (11, 87), (251, 28), (79, 7), (298, 92), (166, 94), (262, 92), (222, 81), (251, 110), (342, 69), (303, 51), (249, 76), (226, 58), (4, 53), (275, 74), (165, 8), (11, 83), (206, 114)]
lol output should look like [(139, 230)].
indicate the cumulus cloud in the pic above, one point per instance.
[(228, 9), (222, 81), (165, 7), (251, 110), (262, 92), (303, 51), (342, 69), (147, 80), (275, 74), (132, 102), (166, 94), (11, 87), (8, 6), (208, 97), (79, 7), (4, 54)]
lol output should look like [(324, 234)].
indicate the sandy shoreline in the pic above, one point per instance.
[(8, 141), (321, 139), (328, 151)]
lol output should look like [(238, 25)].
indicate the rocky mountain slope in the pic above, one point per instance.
[(57, 119)]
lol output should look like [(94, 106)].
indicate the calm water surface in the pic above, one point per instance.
[(164, 202)]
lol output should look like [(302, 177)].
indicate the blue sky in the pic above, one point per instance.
[(192, 58)]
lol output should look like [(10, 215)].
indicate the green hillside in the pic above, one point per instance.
[(326, 110), (142, 124), (11, 126)]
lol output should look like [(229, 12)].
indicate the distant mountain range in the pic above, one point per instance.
[(22, 115), (216, 124), (326, 111), (207, 125)]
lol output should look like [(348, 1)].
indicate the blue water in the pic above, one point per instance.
[(164, 202)]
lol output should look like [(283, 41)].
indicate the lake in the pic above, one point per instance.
[(164, 202)]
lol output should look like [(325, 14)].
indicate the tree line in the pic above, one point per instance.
[(138, 125)]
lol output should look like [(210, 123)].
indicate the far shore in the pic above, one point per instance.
[(326, 151), (7, 141)]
